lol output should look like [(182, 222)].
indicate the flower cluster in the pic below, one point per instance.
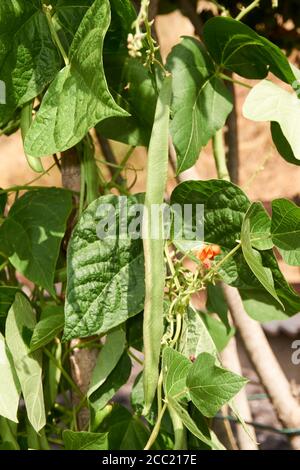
[(207, 254), (135, 44)]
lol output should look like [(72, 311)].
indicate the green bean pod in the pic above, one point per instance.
[(26, 120), (157, 172)]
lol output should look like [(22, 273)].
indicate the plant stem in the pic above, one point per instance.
[(82, 187), (13, 189), (284, 431), (110, 158), (122, 166), (43, 440), (232, 138), (58, 442), (159, 392), (55, 38), (233, 80), (220, 156), (171, 266), (247, 10), (220, 7), (178, 329), (56, 161), (63, 371), (156, 428), (135, 358), (222, 261)]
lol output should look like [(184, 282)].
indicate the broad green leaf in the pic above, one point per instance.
[(9, 384), (46, 330), (36, 440), (125, 432), (97, 416), (280, 141), (8, 434), (195, 337), (123, 15), (82, 440), (7, 296), (269, 102), (108, 358), (217, 331), (210, 386), (175, 369), (191, 425), (222, 200), (28, 57), (68, 16), (261, 306), (105, 276), (286, 293), (238, 274), (11, 126), (253, 257), (286, 230), (282, 145), (260, 228), (238, 48), (20, 324), (203, 424), (32, 233), (201, 106), (131, 86), (135, 436), (50, 309), (8, 446), (78, 98), (116, 379), (225, 206)]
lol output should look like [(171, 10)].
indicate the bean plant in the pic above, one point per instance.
[(79, 312)]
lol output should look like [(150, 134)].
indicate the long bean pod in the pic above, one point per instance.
[(157, 169)]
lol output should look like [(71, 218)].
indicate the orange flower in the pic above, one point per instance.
[(208, 253)]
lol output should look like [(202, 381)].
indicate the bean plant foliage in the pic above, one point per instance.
[(76, 74)]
